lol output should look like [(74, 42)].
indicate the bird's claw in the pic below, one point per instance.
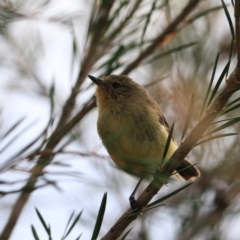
[(134, 204)]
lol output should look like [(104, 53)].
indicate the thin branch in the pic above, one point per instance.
[(237, 24), (58, 135), (3, 193)]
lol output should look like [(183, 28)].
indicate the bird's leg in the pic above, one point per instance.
[(133, 202)]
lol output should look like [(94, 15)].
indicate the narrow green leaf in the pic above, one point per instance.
[(129, 32), (218, 83), (168, 195), (225, 125), (229, 92), (69, 220), (224, 120), (49, 229), (113, 63), (203, 13), (16, 136), (176, 172), (188, 117), (79, 237), (16, 157), (216, 137), (230, 55), (15, 125), (156, 81), (210, 84), (228, 18), (43, 222), (230, 109), (173, 50), (231, 103), (168, 11), (51, 96), (74, 223), (130, 215), (168, 142), (148, 17), (74, 51), (91, 21), (156, 206), (118, 10), (126, 234), (34, 232), (100, 216)]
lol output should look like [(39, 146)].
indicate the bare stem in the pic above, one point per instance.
[(237, 27)]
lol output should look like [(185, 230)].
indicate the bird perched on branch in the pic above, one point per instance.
[(133, 128)]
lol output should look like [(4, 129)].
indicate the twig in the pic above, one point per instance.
[(237, 24)]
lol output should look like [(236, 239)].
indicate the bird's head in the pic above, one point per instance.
[(117, 89)]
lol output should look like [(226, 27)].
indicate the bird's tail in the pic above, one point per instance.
[(187, 170)]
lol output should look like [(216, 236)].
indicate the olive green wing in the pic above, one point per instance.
[(185, 169)]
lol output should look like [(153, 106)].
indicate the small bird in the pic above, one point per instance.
[(133, 128)]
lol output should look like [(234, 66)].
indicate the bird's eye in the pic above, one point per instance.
[(116, 85)]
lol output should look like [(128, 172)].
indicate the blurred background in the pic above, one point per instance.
[(47, 48)]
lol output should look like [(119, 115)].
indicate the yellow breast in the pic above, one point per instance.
[(136, 141)]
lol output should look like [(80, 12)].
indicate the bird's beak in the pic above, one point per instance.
[(97, 81)]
